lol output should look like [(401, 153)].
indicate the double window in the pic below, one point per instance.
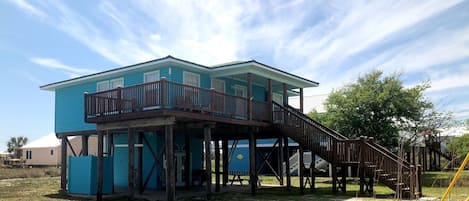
[(151, 97), (109, 84)]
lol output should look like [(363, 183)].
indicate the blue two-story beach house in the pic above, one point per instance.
[(156, 122)]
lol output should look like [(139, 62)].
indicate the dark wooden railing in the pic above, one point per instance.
[(336, 148), (166, 95)]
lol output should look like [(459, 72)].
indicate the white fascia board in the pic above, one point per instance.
[(263, 71), (110, 73)]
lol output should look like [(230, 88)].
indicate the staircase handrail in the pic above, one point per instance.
[(308, 122), (385, 154), (307, 118)]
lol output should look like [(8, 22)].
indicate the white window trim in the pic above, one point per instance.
[(218, 80), (117, 79), (102, 82), (151, 72), (184, 73), (244, 88)]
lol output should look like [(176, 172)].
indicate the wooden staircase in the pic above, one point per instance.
[(373, 160)]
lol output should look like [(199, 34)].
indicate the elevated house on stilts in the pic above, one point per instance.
[(155, 122)]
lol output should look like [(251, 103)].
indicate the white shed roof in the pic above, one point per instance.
[(49, 140)]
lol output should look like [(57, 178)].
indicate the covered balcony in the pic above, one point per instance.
[(166, 98)]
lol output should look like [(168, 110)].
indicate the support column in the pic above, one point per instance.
[(187, 162), (362, 165), (99, 193), (84, 145), (249, 88), (312, 173), (285, 94), (110, 146), (217, 165), (208, 162), (343, 170), (301, 171), (131, 175), (301, 100), (63, 164), (269, 99), (287, 162), (281, 160), (140, 162), (334, 166), (224, 146), (252, 162), (170, 169)]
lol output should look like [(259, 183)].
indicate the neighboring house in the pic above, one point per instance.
[(45, 151), (160, 117)]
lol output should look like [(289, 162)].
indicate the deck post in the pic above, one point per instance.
[(163, 92), (269, 99), (301, 167), (280, 160), (312, 173), (63, 164), (208, 162), (131, 162), (334, 166), (287, 162), (249, 83), (170, 169), (217, 165), (285, 94), (187, 162), (362, 165), (301, 100), (84, 145), (419, 181), (224, 146), (99, 193), (343, 170), (252, 162), (110, 146), (140, 162)]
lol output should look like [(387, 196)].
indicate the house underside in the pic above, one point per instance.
[(156, 131)]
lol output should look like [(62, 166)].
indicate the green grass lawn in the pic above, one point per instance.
[(435, 183)]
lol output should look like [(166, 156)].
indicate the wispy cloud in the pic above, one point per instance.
[(29, 8), (56, 64)]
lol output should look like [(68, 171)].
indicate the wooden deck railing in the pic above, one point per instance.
[(166, 95)]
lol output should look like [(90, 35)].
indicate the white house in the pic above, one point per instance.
[(45, 151)]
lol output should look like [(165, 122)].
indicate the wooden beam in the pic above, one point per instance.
[(280, 160), (270, 99), (249, 83), (140, 162), (187, 162), (361, 167), (130, 169), (63, 164), (285, 94), (224, 147), (110, 146), (84, 145), (138, 123), (301, 100), (287, 162), (170, 168), (208, 162), (99, 193), (301, 171), (217, 165), (252, 162), (334, 166)]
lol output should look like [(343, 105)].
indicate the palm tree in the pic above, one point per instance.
[(14, 145)]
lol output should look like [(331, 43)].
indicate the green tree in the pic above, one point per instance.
[(15, 143), (459, 146), (375, 105)]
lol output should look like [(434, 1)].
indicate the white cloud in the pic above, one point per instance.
[(55, 64), (29, 8)]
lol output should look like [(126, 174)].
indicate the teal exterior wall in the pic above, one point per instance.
[(83, 175), (69, 101)]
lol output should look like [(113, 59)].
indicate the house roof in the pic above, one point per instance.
[(226, 68), (49, 140)]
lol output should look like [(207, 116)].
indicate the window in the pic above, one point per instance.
[(240, 90), (102, 86), (151, 76), (115, 83), (29, 154), (218, 85), (51, 152), (278, 98), (191, 79)]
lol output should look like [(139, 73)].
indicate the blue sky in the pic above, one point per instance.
[(331, 42)]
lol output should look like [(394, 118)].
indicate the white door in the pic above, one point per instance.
[(151, 96), (241, 103), (219, 99), (191, 94)]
